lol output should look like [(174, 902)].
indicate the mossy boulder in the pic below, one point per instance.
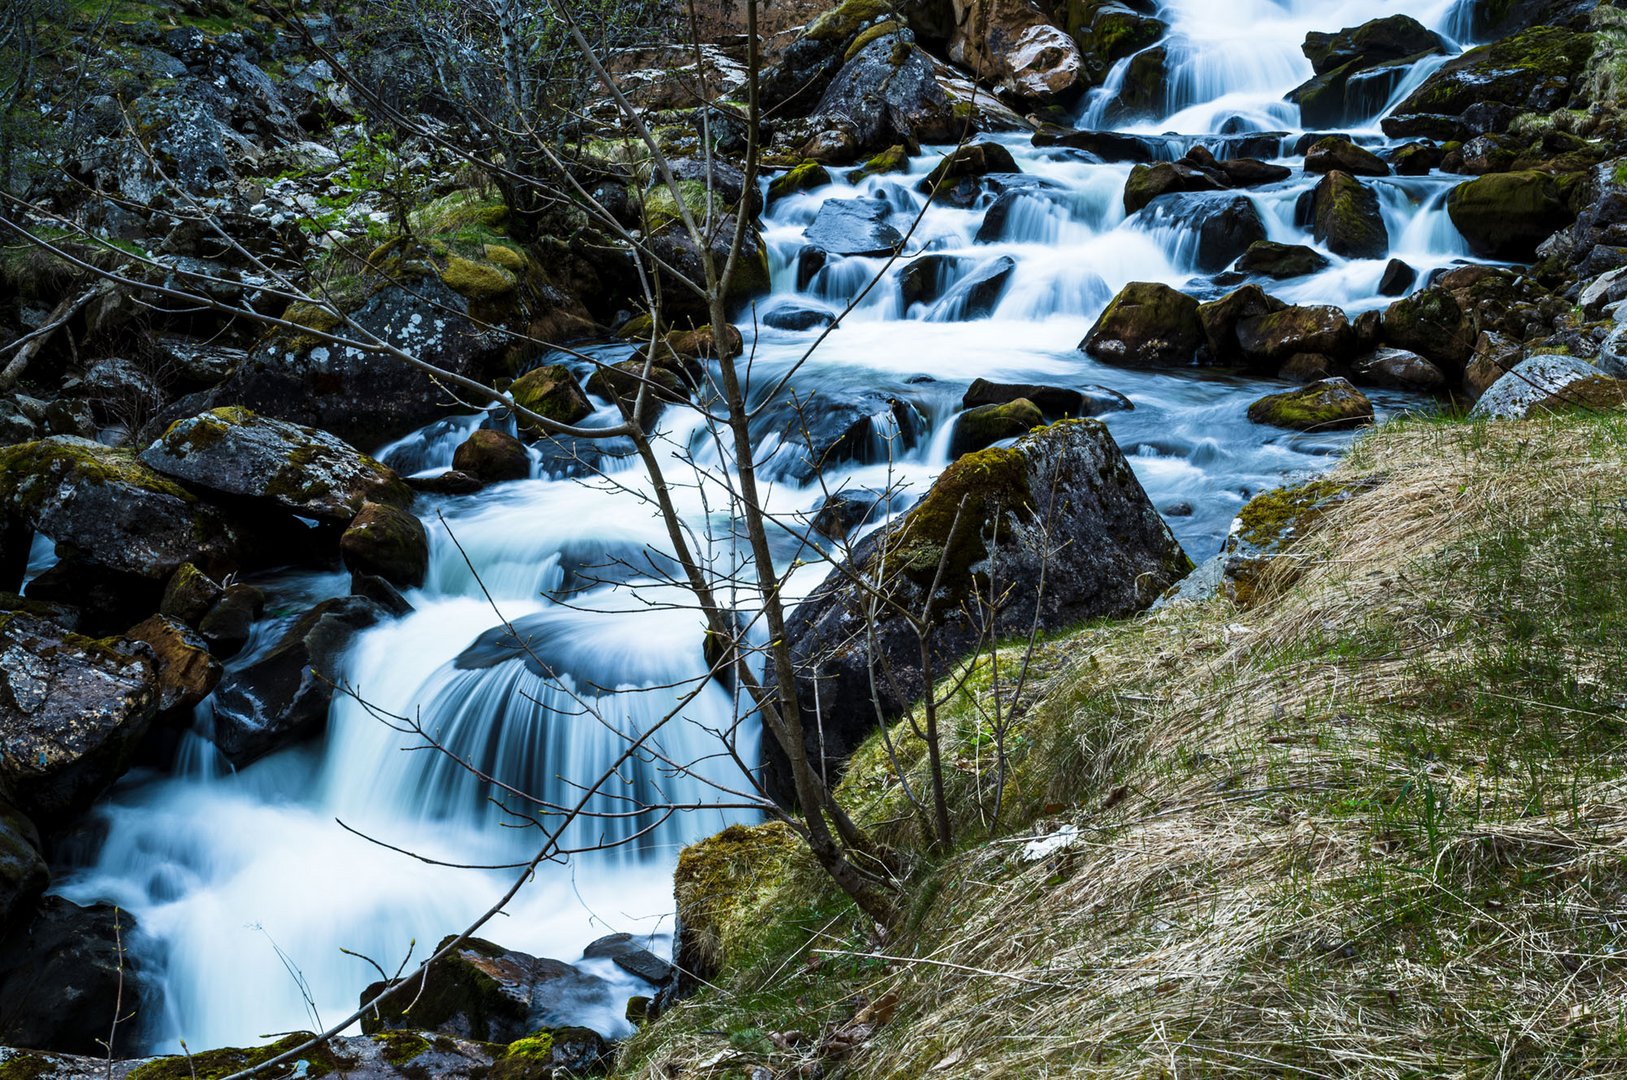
[(1393, 37), (189, 594), (551, 391), (720, 886), (1220, 318), (1268, 340), (1146, 85), (72, 711), (1345, 217), (1535, 70), (1332, 153), (483, 991), (986, 425), (804, 177), (978, 527), (1147, 325), (492, 457), (1506, 215), (386, 541), (1267, 527), (186, 671), (972, 159), (1147, 182), (1546, 384), (283, 696), (621, 383), (1432, 324), (105, 506), (1328, 405), (702, 341), (23, 873), (300, 469), (1108, 32), (478, 280), (1273, 260), (894, 159)]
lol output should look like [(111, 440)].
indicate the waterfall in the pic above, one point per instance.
[(246, 887)]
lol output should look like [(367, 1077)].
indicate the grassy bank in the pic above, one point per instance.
[(1373, 824)]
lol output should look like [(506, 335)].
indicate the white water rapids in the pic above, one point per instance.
[(245, 887)]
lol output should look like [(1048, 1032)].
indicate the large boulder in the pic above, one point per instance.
[(283, 696), (1507, 215), (1345, 216), (1012, 43), (887, 93), (1495, 355), (72, 711), (1273, 260), (1358, 68), (1549, 384), (1148, 182), (1216, 229), (1432, 324), (104, 506), (1535, 70), (992, 520), (1270, 339), (23, 873), (1331, 153), (1220, 318), (1398, 369), (1108, 32), (492, 457), (986, 425), (1393, 37), (484, 992), (551, 391), (186, 671), (675, 247), (971, 159), (853, 227), (388, 542), (1492, 19), (1328, 405), (299, 469), (65, 975), (1146, 325)]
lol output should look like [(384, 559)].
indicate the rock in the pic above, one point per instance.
[(676, 248), (1594, 244), (189, 595), (492, 457), (381, 592), (104, 601), (1431, 324), (1110, 32), (986, 425), (65, 974), (887, 94), (1603, 293), (1148, 182), (283, 696), (1110, 146), (1394, 37), (843, 512), (803, 177), (1223, 226), (1013, 43), (1549, 384), (72, 711), (894, 159), (1535, 70), (1400, 370), (717, 908), (300, 469), (1219, 320), (1494, 356), (1270, 339), (1345, 217), (970, 159), (1353, 93), (230, 622), (924, 278), (621, 384), (185, 669), (1507, 215), (980, 521), (863, 427), (1492, 19), (484, 992), (1333, 153), (976, 295), (1322, 406), (1056, 402), (23, 873), (798, 318), (389, 542), (626, 953), (120, 390), (109, 507), (1146, 325), (1146, 86), (1397, 278), (1273, 260), (1306, 368), (1415, 159), (551, 391), (854, 227)]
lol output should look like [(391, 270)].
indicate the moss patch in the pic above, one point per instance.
[(477, 280), (214, 1064), (947, 527)]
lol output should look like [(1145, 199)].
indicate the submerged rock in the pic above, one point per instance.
[(994, 516), (1056, 402), (1322, 406), (854, 227)]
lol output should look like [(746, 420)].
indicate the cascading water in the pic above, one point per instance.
[(245, 886)]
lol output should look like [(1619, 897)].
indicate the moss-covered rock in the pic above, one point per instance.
[(620, 383), (1322, 406), (1147, 182), (478, 280), (1273, 260), (1326, 155), (552, 392), (1345, 216), (1268, 340), (492, 457), (1430, 323), (1146, 325), (386, 541), (186, 671), (804, 177), (1506, 215), (1220, 318), (189, 594), (702, 341), (988, 424), (719, 887), (972, 159), (1535, 69)]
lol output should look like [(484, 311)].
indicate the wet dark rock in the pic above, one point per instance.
[(492, 457), (971, 159), (798, 318), (1398, 278), (986, 425), (186, 671), (1535, 70), (1415, 159), (1327, 405), (1109, 146), (386, 541), (1269, 340), (1273, 260), (1056, 402), (841, 513), (1495, 355), (283, 697), (1334, 153), (676, 247), (229, 623), (72, 711), (888, 93), (925, 278), (23, 873), (1110, 32), (1430, 323), (836, 428), (854, 227), (188, 595), (1071, 475), (1219, 319), (1394, 37), (977, 294), (1146, 325), (1146, 86), (484, 992), (1223, 227), (803, 177), (621, 384), (551, 391), (1149, 182), (64, 975), (381, 592), (120, 389), (1306, 368), (1345, 216), (104, 601), (1497, 18), (299, 469), (626, 953), (1400, 370), (1506, 216)]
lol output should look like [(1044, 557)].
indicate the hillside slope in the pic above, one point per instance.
[(1372, 824)]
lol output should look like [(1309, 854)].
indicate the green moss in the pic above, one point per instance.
[(552, 392), (459, 210), (538, 1047), (27, 471), (214, 1064), (506, 257), (400, 1047), (23, 1065), (661, 208), (638, 328), (477, 280), (881, 29), (721, 885), (844, 21), (1267, 519), (946, 528), (894, 159), (808, 175)]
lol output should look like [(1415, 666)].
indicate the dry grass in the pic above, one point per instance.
[(1375, 825)]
